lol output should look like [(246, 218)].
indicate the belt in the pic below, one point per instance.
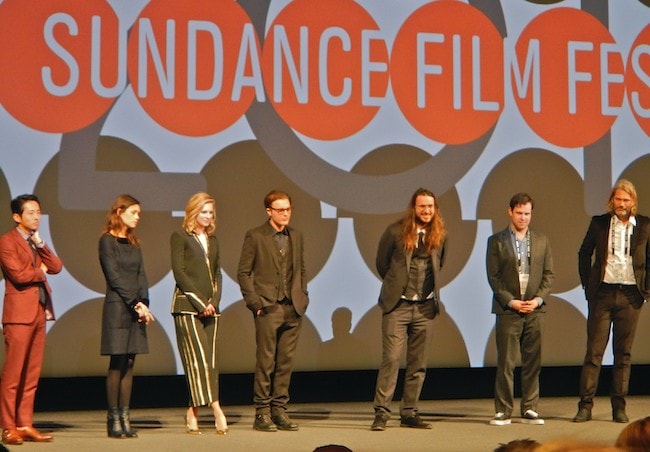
[(416, 301), (615, 287)]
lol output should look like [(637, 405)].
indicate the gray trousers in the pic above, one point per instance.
[(410, 324), (518, 334)]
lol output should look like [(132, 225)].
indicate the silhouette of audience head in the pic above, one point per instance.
[(332, 448), (518, 445), (636, 436), (341, 322)]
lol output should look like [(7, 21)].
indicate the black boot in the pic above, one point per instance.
[(113, 425), (126, 423)]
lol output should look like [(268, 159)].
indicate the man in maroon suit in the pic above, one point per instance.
[(25, 260)]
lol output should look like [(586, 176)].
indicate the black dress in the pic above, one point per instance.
[(126, 285)]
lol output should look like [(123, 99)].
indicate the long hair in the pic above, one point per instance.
[(435, 232), (627, 187), (193, 209), (114, 223)]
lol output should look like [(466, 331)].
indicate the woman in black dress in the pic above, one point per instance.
[(195, 307), (126, 309)]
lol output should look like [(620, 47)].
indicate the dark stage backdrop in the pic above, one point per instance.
[(348, 106)]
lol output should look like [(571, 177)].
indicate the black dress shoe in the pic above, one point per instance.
[(263, 423), (618, 415), (379, 424), (583, 415), (284, 423), (414, 422)]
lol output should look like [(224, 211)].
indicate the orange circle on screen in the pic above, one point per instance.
[(323, 97)]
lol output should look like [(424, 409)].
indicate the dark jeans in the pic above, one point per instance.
[(618, 307)]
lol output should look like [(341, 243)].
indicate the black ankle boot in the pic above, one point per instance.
[(126, 423), (113, 425)]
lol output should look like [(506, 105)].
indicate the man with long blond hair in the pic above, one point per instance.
[(410, 254), (613, 262)]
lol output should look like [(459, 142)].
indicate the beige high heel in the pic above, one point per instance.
[(192, 427), (224, 423)]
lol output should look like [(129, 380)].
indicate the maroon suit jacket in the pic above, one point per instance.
[(22, 274)]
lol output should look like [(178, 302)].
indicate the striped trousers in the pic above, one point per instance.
[(197, 345)]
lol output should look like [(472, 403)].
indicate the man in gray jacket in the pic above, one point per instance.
[(520, 273)]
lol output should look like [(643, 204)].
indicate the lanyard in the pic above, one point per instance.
[(613, 236), (517, 245)]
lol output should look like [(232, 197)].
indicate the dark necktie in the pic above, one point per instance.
[(282, 238), (421, 240), (41, 290), (32, 245)]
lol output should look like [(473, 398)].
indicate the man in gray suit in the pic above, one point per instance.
[(520, 273), (410, 254), (272, 279)]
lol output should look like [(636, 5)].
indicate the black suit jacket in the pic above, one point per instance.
[(503, 274), (592, 257), (259, 269), (393, 264)]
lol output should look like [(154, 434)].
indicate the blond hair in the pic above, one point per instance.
[(627, 187), (192, 210)]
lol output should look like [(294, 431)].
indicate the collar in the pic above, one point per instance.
[(272, 230), (513, 233), (23, 234), (631, 221)]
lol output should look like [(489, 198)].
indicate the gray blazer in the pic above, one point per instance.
[(198, 280), (592, 271), (259, 269), (393, 264), (503, 274)]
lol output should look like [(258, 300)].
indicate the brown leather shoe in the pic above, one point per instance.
[(31, 434), (11, 437)]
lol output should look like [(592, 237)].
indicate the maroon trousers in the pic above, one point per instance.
[(24, 349)]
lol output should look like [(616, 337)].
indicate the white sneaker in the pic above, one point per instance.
[(531, 417), (500, 419)]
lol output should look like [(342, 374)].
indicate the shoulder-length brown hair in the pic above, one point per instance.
[(435, 232), (194, 207), (114, 223)]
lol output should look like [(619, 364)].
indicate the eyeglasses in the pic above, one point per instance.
[(285, 210)]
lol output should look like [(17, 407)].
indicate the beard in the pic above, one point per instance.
[(623, 213)]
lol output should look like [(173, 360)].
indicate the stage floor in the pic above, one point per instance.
[(458, 425)]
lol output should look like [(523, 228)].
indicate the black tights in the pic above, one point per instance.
[(119, 380)]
